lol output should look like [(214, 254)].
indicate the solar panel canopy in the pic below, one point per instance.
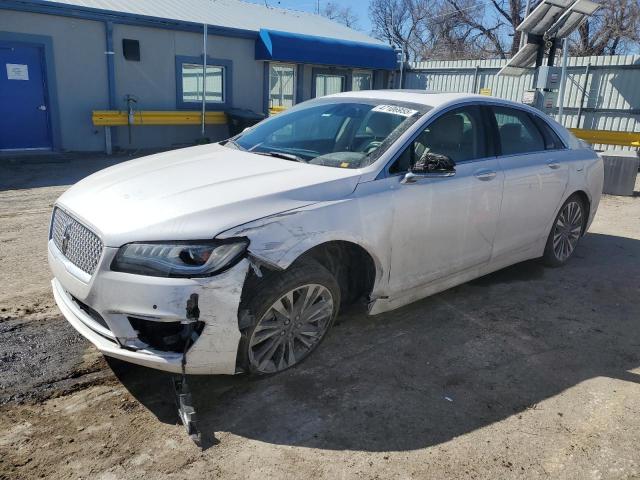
[(572, 18), (520, 62), (551, 19), (544, 16)]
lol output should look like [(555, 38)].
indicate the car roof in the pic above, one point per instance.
[(421, 97)]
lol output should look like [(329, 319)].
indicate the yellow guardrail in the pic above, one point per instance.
[(118, 118), (607, 137), (276, 110)]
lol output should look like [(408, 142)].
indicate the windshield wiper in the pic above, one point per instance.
[(284, 156)]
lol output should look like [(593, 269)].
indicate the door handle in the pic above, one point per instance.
[(552, 164), (486, 175), (42, 108)]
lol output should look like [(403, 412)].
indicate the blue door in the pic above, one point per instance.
[(24, 110)]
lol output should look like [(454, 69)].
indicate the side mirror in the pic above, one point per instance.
[(430, 165), (434, 163)]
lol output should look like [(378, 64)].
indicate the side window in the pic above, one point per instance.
[(458, 134), (551, 139), (518, 134)]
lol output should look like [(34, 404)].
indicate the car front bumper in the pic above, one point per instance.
[(100, 307)]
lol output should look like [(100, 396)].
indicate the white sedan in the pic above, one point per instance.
[(236, 257)]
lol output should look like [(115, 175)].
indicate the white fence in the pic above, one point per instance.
[(602, 93)]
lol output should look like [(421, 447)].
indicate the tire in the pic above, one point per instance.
[(566, 231), (285, 316)]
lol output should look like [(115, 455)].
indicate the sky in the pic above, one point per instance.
[(359, 7)]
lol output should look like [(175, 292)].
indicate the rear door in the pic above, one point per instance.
[(535, 178), (24, 112)]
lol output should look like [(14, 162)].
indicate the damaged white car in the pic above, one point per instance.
[(236, 257)]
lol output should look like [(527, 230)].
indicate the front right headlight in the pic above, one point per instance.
[(179, 259)]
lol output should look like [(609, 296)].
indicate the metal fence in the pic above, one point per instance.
[(602, 93)]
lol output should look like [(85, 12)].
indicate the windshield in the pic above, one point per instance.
[(335, 132)]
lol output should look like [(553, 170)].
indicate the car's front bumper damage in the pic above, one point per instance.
[(141, 319)]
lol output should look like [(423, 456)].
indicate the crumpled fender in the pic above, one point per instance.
[(278, 240)]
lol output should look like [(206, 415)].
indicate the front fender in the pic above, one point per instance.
[(280, 239)]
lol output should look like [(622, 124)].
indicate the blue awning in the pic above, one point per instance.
[(294, 47)]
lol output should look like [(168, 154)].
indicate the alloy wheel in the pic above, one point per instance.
[(567, 230), (291, 328)]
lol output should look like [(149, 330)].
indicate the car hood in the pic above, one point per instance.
[(196, 193)]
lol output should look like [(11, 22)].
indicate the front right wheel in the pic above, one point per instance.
[(566, 232)]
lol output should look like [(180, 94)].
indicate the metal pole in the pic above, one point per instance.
[(474, 89), (584, 93), (563, 79), (401, 66), (539, 61), (204, 76), (551, 60)]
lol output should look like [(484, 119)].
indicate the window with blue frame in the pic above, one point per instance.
[(192, 83)]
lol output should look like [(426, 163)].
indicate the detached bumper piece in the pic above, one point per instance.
[(184, 400), (186, 412)]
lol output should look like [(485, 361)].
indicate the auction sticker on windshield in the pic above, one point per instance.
[(395, 109)]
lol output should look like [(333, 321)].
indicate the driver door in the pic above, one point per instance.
[(444, 224)]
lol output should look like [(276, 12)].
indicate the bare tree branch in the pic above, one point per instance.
[(344, 15), (614, 29)]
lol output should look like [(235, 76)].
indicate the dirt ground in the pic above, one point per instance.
[(526, 373)]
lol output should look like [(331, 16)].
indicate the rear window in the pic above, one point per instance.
[(517, 131), (551, 139)]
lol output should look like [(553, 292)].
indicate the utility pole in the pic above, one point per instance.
[(563, 81), (204, 76)]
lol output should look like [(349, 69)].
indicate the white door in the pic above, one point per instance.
[(282, 85), (445, 225), (535, 180)]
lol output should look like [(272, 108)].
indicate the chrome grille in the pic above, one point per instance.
[(77, 243)]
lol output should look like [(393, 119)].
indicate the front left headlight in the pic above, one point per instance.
[(179, 259)]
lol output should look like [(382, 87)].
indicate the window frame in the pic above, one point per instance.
[(227, 83), (330, 71), (361, 72), (490, 148)]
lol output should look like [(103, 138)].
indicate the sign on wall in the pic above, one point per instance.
[(16, 71)]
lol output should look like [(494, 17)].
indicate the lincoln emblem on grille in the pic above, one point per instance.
[(65, 239)]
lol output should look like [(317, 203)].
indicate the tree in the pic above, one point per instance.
[(613, 30), (339, 14), (403, 24), (491, 25), (474, 29)]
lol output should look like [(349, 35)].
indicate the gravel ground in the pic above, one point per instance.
[(526, 373)]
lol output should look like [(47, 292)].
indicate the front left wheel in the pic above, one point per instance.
[(289, 314)]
